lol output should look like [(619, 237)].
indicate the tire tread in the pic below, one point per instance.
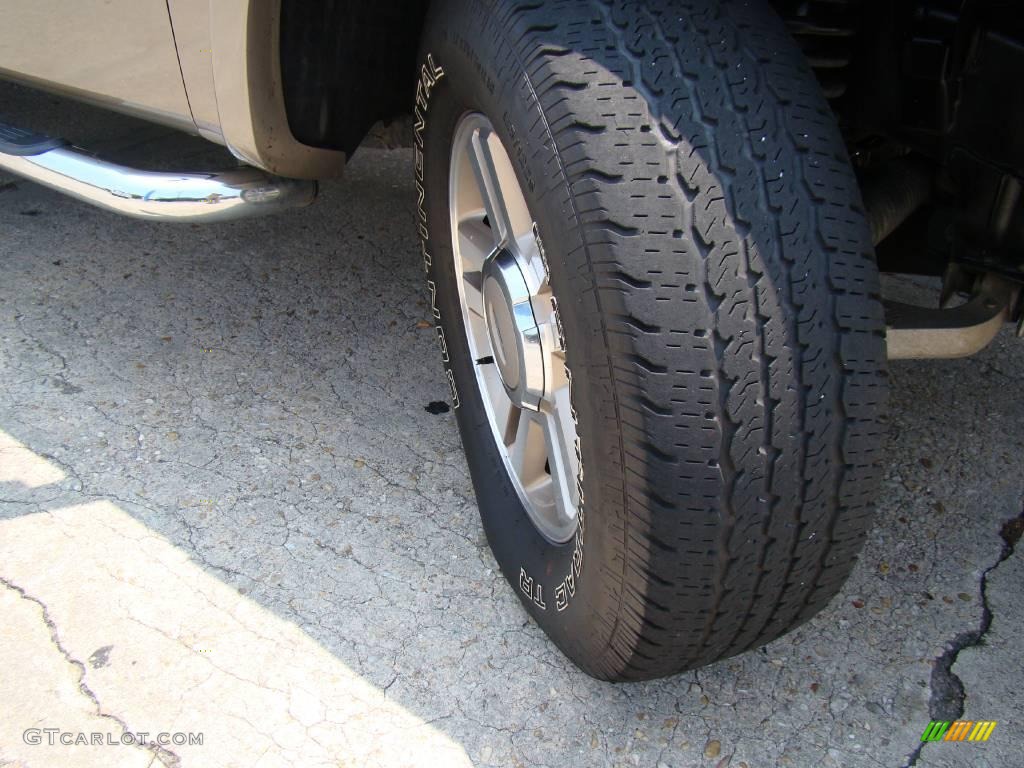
[(727, 243)]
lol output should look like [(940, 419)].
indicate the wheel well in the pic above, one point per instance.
[(927, 86), (347, 64)]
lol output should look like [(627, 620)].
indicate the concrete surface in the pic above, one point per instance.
[(228, 507)]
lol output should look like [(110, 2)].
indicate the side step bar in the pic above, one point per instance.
[(150, 195), (921, 332)]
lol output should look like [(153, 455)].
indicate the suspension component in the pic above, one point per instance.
[(824, 30)]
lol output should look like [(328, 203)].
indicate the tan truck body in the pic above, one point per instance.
[(209, 67)]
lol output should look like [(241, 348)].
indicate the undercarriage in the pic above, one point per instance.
[(930, 99)]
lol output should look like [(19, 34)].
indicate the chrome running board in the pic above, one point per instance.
[(151, 195)]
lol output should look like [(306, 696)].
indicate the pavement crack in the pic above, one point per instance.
[(948, 694), (160, 755)]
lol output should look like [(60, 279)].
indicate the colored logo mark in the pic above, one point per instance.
[(958, 730)]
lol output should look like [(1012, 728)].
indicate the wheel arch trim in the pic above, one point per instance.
[(230, 61)]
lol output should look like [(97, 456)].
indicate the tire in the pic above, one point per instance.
[(718, 301)]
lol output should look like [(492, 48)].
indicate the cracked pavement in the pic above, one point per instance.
[(230, 503)]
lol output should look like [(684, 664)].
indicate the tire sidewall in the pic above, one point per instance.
[(468, 66)]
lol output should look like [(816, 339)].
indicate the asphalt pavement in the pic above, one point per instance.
[(234, 508)]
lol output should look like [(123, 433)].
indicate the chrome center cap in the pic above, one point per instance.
[(512, 328)]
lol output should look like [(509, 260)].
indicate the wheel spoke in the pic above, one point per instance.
[(528, 452), (472, 286), (560, 444), (475, 242), (511, 425), (504, 204), (530, 253), (506, 414)]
